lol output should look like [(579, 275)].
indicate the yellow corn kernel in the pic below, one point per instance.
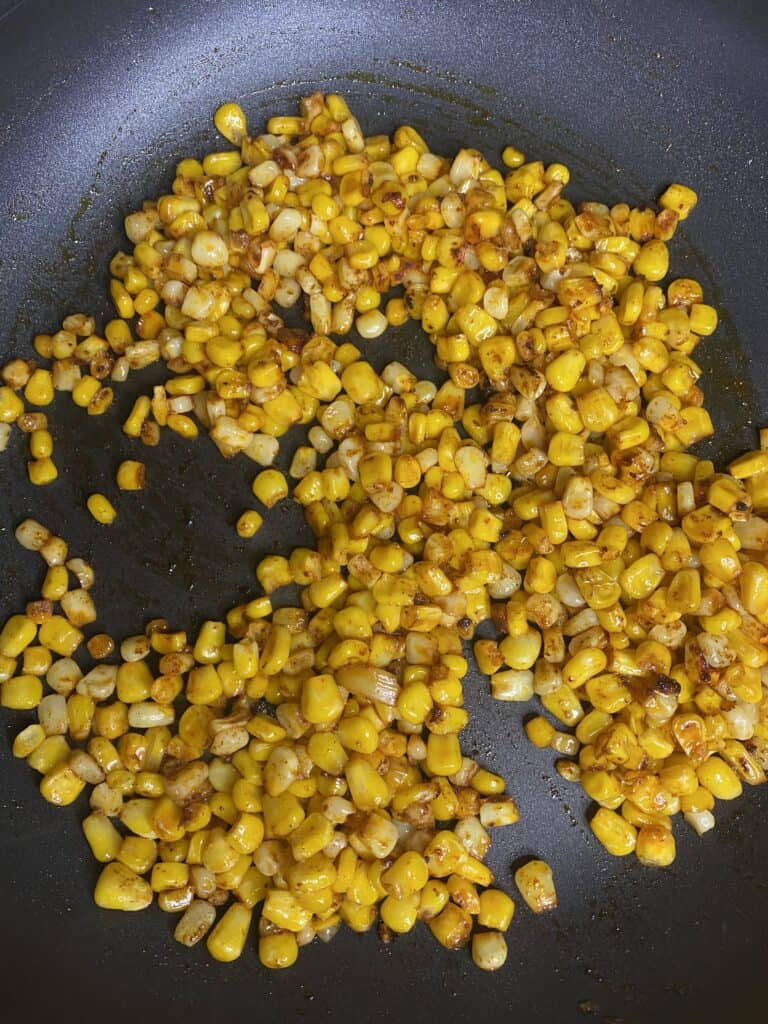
[(40, 444), (367, 788), (131, 475), (678, 198), (141, 409), (603, 787), (61, 785), (279, 950), (102, 836), (400, 914), (42, 472), (521, 651), (312, 836), (617, 835), (18, 633), (120, 888), (641, 578), (451, 927), (496, 910), (443, 754), (28, 740), (719, 778), (227, 939), (720, 559), (321, 700), (60, 636), (230, 122), (489, 950), (652, 262), (182, 425), (249, 523), (655, 846), (102, 509), (39, 388), (536, 885), (703, 319), (11, 406), (584, 665), (564, 371), (749, 464), (21, 693), (270, 486)]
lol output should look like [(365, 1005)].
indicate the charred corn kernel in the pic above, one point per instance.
[(451, 927), (312, 836), (102, 509), (617, 835), (230, 122), (249, 524), (536, 885), (678, 198), (720, 559), (540, 576), (167, 876), (694, 425), (270, 486), (141, 409), (564, 705), (655, 846), (407, 876), (61, 785), (60, 636), (131, 475)]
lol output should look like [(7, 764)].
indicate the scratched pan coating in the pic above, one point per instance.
[(100, 100)]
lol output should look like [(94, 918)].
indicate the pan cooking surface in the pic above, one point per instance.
[(102, 99)]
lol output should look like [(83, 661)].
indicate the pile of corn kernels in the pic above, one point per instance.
[(307, 759)]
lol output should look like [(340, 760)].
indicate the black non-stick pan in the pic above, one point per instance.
[(99, 99)]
